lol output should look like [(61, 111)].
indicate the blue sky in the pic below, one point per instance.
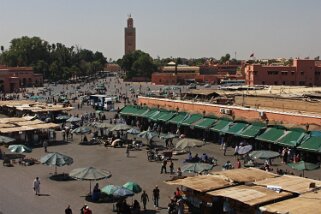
[(165, 28)]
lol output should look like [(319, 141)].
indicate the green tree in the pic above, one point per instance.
[(138, 64)]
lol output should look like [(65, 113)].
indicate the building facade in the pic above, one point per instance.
[(14, 78), (304, 72), (130, 36)]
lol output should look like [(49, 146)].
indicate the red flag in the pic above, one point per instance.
[(252, 55)]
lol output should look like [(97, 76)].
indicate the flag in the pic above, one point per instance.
[(252, 55)]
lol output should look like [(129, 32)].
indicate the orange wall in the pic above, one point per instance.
[(238, 112)]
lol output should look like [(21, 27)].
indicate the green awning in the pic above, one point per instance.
[(166, 117), (234, 128), (251, 131), (311, 144), (271, 135), (205, 123), (131, 110), (220, 125), (192, 119), (155, 116), (178, 118), (139, 111), (149, 113), (291, 139)]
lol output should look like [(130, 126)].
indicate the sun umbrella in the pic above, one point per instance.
[(4, 139), (36, 97), (302, 166), (19, 148), (188, 143), (110, 189), (264, 154), (73, 119), (168, 136), (102, 125), (99, 111), (132, 186), (197, 167), (122, 192), (81, 130), (244, 149), (56, 159), (62, 117), (90, 174), (120, 127), (147, 135), (133, 131)]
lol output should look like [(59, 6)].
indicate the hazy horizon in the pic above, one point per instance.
[(190, 29)]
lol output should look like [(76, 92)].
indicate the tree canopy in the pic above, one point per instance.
[(55, 61), (137, 64)]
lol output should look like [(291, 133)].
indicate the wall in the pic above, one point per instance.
[(278, 103), (237, 111)]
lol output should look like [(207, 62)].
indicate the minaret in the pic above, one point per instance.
[(130, 36)]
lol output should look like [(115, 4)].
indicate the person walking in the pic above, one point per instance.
[(171, 167), (45, 145), (156, 196), (224, 148), (127, 151), (163, 168), (36, 186), (68, 210), (144, 198)]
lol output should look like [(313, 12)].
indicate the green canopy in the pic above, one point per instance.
[(302, 166), (312, 144), (132, 186), (127, 110), (139, 111), (166, 117), (192, 119), (263, 154), (160, 114), (178, 118), (220, 125), (271, 135), (234, 128), (205, 123), (110, 189), (291, 138), (251, 131), (149, 113)]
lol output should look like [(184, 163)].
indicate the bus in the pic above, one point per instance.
[(232, 82), (102, 102)]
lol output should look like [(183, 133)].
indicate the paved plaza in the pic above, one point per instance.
[(16, 190)]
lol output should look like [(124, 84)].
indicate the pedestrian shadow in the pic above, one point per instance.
[(43, 195)]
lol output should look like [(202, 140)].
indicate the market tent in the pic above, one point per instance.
[(166, 117), (188, 143), (271, 135), (250, 195), (160, 114), (311, 143), (127, 110), (290, 183), (178, 119), (139, 111), (251, 131), (303, 165), (305, 203), (235, 128), (205, 123), (244, 175), (291, 138), (220, 125), (5, 139), (202, 183), (192, 119), (149, 113), (263, 154)]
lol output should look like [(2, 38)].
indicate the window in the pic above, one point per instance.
[(302, 72), (317, 73), (301, 83), (292, 83), (283, 82), (263, 82), (276, 83)]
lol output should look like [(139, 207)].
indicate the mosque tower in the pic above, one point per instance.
[(130, 36)]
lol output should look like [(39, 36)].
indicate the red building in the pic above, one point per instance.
[(14, 78), (303, 72)]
